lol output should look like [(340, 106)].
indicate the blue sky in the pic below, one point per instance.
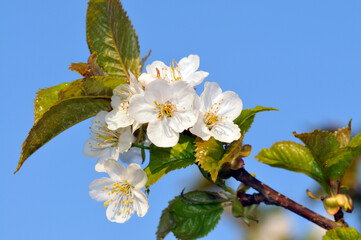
[(302, 57)]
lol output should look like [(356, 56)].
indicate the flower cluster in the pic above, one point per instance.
[(164, 101)]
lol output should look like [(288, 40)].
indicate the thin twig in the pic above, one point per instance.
[(272, 197)]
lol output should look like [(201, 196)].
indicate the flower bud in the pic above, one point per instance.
[(237, 163), (345, 202), (246, 150), (331, 205)]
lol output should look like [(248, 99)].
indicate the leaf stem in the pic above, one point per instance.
[(271, 197), (140, 146)]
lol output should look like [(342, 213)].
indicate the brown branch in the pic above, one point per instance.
[(339, 217), (272, 197)]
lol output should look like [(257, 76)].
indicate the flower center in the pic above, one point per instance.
[(104, 136), (165, 110), (211, 117), (170, 74), (121, 194)]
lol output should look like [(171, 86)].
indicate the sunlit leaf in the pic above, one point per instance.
[(342, 234), (209, 155), (339, 161), (81, 99), (111, 34), (292, 156), (343, 135), (45, 98), (321, 144)]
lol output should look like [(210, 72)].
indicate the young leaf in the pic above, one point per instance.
[(208, 155), (355, 141), (190, 220), (164, 160), (294, 157), (321, 144), (82, 99), (111, 34), (89, 69), (341, 233), (246, 118), (343, 135)]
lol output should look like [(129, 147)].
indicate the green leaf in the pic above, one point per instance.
[(111, 34), (321, 144), (190, 220), (166, 224), (342, 234), (200, 197), (343, 135), (82, 99), (45, 98), (219, 182), (292, 156), (340, 161), (164, 160), (237, 208), (246, 118), (208, 155)]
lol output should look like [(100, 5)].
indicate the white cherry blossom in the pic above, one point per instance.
[(168, 108), (217, 112), (105, 143), (185, 70), (121, 192), (119, 116)]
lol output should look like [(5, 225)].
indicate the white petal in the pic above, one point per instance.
[(136, 125), (120, 93), (152, 68), (146, 78), (136, 176), (134, 83), (211, 91), (133, 155), (231, 106), (125, 139), (226, 131), (200, 129), (141, 110), (90, 149), (113, 214), (183, 94), (183, 120), (159, 90), (99, 120), (112, 153), (188, 65), (95, 189), (116, 171), (141, 205), (160, 134), (196, 78), (118, 118)]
